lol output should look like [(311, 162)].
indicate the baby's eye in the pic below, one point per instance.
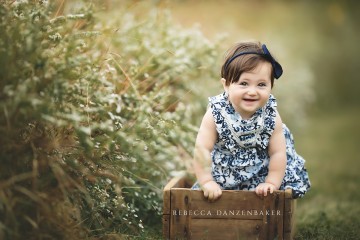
[(262, 85), (243, 83)]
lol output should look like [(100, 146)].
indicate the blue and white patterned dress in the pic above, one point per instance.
[(240, 156)]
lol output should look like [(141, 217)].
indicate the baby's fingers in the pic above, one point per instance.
[(206, 193), (211, 196), (268, 188), (217, 194), (259, 191)]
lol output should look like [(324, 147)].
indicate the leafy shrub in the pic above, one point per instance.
[(94, 119)]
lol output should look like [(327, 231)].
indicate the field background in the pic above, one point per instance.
[(101, 102)]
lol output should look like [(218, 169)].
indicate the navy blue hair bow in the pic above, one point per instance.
[(276, 66)]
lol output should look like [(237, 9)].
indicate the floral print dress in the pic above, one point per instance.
[(240, 156)]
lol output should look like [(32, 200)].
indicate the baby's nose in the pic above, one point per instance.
[(251, 92)]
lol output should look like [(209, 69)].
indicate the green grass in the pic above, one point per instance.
[(331, 209)]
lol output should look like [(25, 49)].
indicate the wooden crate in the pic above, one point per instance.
[(236, 215)]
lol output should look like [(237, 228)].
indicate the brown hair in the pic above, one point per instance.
[(244, 63)]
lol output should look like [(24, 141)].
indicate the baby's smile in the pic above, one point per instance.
[(250, 99)]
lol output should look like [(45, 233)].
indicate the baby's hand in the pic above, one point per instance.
[(212, 190), (263, 188)]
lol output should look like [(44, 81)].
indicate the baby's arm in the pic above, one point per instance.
[(205, 141), (277, 165)]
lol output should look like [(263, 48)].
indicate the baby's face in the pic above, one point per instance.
[(252, 91)]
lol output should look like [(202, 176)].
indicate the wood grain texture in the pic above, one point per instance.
[(179, 221), (236, 215), (289, 209), (235, 229)]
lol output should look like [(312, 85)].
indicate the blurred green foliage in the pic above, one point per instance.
[(95, 118)]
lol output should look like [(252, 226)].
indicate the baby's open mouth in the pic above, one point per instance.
[(250, 100)]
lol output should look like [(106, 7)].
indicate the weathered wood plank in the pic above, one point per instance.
[(273, 219), (166, 202), (268, 232), (236, 215), (166, 226), (179, 225), (288, 210), (211, 229), (174, 182), (279, 205), (232, 204)]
